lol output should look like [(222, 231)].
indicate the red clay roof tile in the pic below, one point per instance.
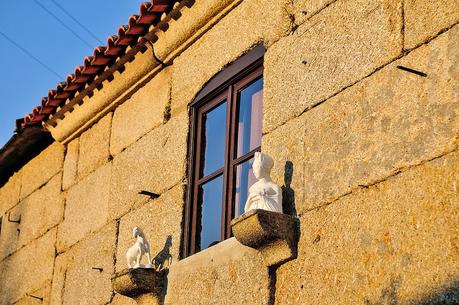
[(150, 13)]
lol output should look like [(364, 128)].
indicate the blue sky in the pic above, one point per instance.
[(23, 81)]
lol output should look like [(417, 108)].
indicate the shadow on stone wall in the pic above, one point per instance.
[(164, 255), (159, 261), (445, 296), (288, 194)]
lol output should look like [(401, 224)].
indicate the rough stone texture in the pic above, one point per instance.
[(38, 297), (425, 18), (9, 193), (286, 146), (9, 233), (75, 281), (41, 211), (393, 243), (27, 270), (227, 273), (334, 49), (305, 9), (388, 121), (274, 234), (159, 219), (71, 164), (192, 22), (260, 21), (155, 163), (141, 113), (94, 146), (86, 207), (122, 300), (41, 168)]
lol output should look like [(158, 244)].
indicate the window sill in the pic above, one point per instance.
[(275, 235)]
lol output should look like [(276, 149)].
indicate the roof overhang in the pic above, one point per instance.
[(21, 148)]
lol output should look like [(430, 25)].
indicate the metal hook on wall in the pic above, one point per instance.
[(149, 194)]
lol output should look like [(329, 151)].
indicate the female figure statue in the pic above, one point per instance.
[(264, 194)]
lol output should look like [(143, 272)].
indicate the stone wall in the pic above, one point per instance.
[(367, 155)]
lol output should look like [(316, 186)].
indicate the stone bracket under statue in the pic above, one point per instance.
[(144, 285), (274, 234)]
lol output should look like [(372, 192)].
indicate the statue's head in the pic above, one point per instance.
[(262, 165), (137, 232)]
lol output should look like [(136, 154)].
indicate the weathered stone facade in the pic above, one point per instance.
[(371, 151)]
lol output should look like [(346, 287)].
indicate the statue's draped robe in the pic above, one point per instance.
[(265, 196)]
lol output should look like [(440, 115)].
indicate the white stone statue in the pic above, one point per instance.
[(264, 194), (134, 254)]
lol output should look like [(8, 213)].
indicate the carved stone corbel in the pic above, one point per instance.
[(144, 285), (274, 234)]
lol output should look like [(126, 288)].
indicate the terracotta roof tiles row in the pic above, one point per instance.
[(104, 56)]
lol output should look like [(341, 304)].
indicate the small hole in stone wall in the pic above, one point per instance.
[(35, 297), (1, 219), (316, 240)]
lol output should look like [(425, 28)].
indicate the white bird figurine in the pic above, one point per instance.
[(134, 254)]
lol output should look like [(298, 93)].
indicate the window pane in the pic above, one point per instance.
[(213, 141), (211, 212), (244, 180), (250, 102)]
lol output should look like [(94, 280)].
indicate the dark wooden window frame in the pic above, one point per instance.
[(227, 83)]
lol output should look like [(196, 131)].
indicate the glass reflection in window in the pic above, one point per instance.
[(211, 212), (213, 142), (250, 103)]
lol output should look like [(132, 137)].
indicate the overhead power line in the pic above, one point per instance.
[(63, 24), (78, 22), (17, 45)]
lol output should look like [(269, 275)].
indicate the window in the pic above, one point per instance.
[(226, 129)]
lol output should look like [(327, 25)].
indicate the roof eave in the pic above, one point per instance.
[(21, 148)]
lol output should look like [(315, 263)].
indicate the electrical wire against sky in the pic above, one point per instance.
[(76, 21), (64, 24), (25, 51)]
